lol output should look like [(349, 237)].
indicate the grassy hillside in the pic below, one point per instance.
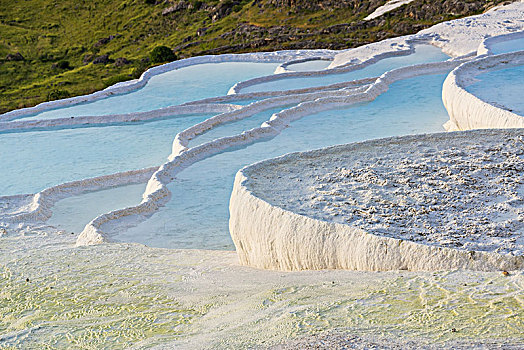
[(51, 49)]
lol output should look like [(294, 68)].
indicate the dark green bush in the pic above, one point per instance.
[(45, 57), (57, 94), (161, 54), (196, 4), (140, 67), (63, 64), (150, 2)]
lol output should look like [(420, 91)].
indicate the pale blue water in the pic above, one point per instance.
[(73, 213), (503, 88), (508, 46), (423, 54), (309, 66), (237, 127), (40, 159), (170, 88), (197, 216)]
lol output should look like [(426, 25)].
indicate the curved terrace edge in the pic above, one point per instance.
[(270, 237)]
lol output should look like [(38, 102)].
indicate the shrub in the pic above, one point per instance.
[(63, 65), (162, 54), (151, 2), (57, 94), (140, 68), (197, 4), (45, 57)]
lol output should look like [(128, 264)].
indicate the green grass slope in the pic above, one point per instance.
[(52, 49)]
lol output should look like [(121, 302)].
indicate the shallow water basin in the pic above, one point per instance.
[(503, 88), (41, 159), (197, 215), (423, 54), (170, 88)]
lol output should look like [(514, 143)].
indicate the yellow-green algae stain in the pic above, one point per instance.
[(84, 302), (118, 295), (421, 307), (435, 308)]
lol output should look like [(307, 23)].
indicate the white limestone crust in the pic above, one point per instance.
[(485, 48), (270, 237), (458, 38), (172, 111), (33, 210), (387, 7), (284, 67), (450, 36), (406, 48)]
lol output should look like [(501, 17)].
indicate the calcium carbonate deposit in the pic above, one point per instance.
[(143, 161), (376, 68), (464, 191)]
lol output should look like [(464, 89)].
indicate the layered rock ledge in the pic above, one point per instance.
[(425, 202)]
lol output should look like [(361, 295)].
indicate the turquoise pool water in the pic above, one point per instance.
[(423, 54), (508, 46), (170, 88), (237, 127), (503, 88), (197, 216), (41, 159), (73, 213)]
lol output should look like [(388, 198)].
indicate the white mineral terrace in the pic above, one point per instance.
[(466, 110), (29, 213), (424, 202), (428, 202)]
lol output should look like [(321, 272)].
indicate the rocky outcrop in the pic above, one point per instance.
[(121, 61), (420, 9), (316, 5), (105, 41), (103, 59), (14, 57), (181, 5), (408, 19), (88, 58)]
